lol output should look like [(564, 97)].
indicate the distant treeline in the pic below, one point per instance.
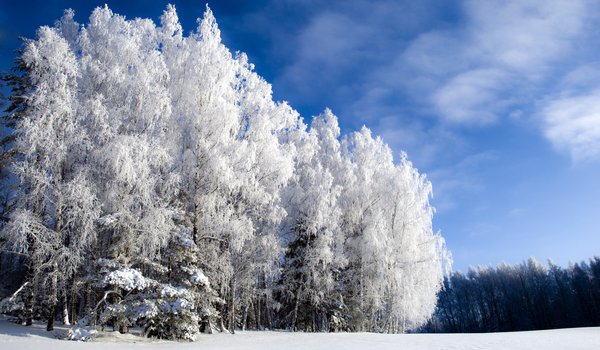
[(528, 296)]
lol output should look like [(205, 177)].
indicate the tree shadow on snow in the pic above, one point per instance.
[(9, 327)]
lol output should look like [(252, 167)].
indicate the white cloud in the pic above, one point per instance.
[(456, 179), (486, 63), (427, 146), (525, 34), (481, 70), (508, 56), (572, 124), (458, 71), (471, 97)]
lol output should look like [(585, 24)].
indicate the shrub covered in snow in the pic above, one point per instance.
[(80, 334), (174, 304)]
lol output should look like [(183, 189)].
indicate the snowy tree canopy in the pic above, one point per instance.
[(160, 185)]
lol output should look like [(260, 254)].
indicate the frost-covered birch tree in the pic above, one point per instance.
[(395, 259), (53, 222), (127, 103), (311, 229)]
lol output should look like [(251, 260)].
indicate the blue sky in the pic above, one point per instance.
[(498, 102)]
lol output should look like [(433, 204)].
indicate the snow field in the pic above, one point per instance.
[(13, 336)]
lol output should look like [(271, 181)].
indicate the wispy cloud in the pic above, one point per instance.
[(471, 97), (461, 177), (525, 35), (503, 52), (572, 124), (570, 117), (501, 59), (429, 75)]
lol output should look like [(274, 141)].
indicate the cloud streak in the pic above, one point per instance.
[(502, 54), (494, 60), (432, 77), (572, 124), (471, 97)]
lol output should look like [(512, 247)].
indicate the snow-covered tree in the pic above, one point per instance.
[(395, 267), (127, 106), (142, 154), (172, 300), (56, 198), (311, 228)]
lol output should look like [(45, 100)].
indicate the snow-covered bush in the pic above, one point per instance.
[(80, 334), (175, 308)]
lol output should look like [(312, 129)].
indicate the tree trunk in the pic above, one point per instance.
[(258, 326), (268, 312), (221, 325), (51, 316), (53, 302), (65, 305), (74, 303), (31, 273), (123, 328), (29, 306), (195, 226), (65, 312), (115, 299), (244, 317), (232, 308), (87, 307), (295, 314)]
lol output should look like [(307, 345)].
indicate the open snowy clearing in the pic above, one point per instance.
[(13, 336)]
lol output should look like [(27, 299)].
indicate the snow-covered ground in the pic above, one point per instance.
[(13, 336)]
